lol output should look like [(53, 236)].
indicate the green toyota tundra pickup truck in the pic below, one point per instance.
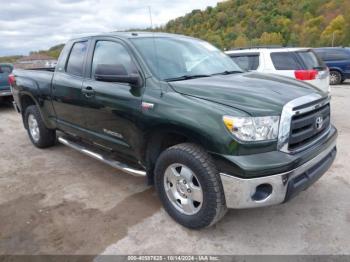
[(180, 112)]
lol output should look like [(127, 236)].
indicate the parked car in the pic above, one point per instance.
[(299, 63), (338, 61), (209, 136), (5, 90)]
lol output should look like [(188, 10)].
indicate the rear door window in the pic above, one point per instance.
[(285, 61), (75, 64), (299, 60), (246, 61)]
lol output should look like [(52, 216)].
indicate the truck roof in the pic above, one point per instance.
[(266, 50), (135, 34)]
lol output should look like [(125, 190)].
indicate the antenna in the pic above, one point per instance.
[(150, 16), (154, 40)]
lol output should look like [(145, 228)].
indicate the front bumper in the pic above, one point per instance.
[(5, 93), (277, 188)]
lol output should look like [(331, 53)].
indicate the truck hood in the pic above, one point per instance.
[(255, 93)]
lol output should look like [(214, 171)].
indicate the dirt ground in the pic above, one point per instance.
[(58, 201)]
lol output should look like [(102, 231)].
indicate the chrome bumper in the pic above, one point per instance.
[(240, 193)]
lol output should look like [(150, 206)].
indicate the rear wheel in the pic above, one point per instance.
[(189, 186), (335, 78), (39, 134)]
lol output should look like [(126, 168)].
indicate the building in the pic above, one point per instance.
[(35, 61)]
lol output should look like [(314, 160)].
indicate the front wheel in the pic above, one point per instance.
[(39, 134), (189, 186)]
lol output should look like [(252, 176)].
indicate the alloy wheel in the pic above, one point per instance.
[(33, 127), (183, 189)]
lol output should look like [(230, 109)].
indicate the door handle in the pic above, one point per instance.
[(88, 91)]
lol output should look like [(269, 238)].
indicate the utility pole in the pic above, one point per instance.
[(150, 16), (333, 37)]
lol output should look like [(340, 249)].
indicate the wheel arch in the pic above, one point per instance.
[(25, 100), (160, 138), (339, 70)]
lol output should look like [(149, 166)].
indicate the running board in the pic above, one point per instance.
[(116, 164)]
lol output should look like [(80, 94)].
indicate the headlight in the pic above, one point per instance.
[(253, 128)]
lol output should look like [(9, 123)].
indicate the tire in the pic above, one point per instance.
[(335, 78), (191, 159), (39, 134)]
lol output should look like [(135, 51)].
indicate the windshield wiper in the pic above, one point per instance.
[(185, 77), (228, 72)]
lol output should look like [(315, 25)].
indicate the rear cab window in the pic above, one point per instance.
[(75, 63), (248, 61), (297, 60)]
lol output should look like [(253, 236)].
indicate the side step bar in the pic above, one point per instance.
[(116, 164)]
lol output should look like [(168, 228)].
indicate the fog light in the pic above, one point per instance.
[(262, 192)]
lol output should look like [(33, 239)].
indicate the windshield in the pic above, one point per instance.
[(173, 58)]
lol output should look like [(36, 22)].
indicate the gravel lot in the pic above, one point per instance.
[(58, 201)]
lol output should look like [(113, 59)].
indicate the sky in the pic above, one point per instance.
[(30, 25)]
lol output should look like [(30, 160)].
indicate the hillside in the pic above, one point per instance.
[(239, 23), (52, 51), (9, 59)]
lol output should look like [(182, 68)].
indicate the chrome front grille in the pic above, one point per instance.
[(308, 126), (300, 123)]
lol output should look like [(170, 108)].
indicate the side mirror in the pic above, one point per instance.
[(116, 73)]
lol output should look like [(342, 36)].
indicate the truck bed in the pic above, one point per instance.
[(39, 77)]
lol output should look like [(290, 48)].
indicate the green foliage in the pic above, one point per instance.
[(241, 41), (9, 59), (335, 31), (52, 51), (239, 23), (271, 39)]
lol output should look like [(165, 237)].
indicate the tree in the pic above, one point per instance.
[(336, 30), (310, 31), (271, 39), (241, 41)]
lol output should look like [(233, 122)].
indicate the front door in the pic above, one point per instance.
[(113, 108)]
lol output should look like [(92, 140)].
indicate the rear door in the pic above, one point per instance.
[(112, 108), (67, 95)]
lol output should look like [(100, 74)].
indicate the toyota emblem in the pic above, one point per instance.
[(319, 122)]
